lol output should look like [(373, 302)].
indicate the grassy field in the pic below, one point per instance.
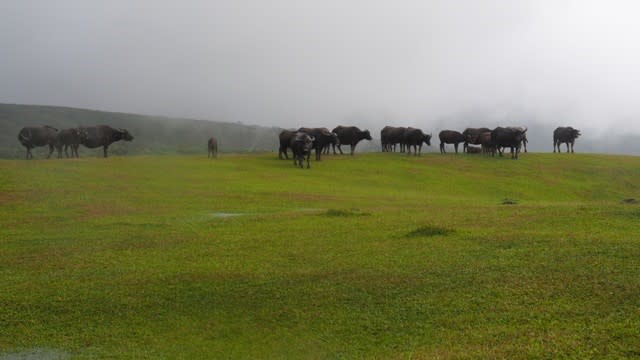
[(371, 256)]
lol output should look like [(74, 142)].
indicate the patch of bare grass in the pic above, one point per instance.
[(429, 231), (345, 213)]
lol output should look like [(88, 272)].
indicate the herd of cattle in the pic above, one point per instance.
[(91, 137), (474, 140), (304, 140)]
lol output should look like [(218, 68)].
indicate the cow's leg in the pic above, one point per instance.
[(318, 151), (105, 150), (572, 147), (308, 156), (50, 151), (419, 149), (442, 148), (353, 148), (456, 147)]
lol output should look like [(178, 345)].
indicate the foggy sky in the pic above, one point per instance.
[(322, 63)]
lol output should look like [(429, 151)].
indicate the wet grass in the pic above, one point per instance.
[(371, 256)]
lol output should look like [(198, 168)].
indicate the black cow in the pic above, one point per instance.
[(285, 142), (508, 137), (350, 135), (484, 140), (471, 136), (102, 135), (524, 136), (567, 135), (301, 145), (390, 136), (333, 142), (323, 138), (212, 147), (34, 136), (68, 138), (450, 137), (415, 137)]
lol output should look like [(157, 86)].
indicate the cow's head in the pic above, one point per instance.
[(575, 133), (308, 142), (367, 135), (125, 135), (427, 139), (83, 133)]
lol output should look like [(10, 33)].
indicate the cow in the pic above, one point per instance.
[(471, 136), (68, 138), (450, 137), (323, 138), (333, 142), (212, 147), (34, 136), (102, 135), (350, 135), (484, 140), (567, 135), (473, 149), (285, 142), (508, 137), (301, 145), (390, 136), (415, 137), (524, 136)]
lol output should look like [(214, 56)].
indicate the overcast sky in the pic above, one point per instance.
[(321, 63)]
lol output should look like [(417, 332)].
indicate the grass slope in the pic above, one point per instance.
[(371, 256)]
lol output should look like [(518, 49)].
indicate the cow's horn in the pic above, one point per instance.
[(525, 130)]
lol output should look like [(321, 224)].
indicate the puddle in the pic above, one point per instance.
[(36, 354)]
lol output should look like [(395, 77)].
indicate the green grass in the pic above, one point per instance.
[(371, 256)]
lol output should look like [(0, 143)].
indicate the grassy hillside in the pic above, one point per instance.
[(153, 134), (371, 256)]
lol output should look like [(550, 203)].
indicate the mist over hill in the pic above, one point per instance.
[(165, 135), (153, 134)]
